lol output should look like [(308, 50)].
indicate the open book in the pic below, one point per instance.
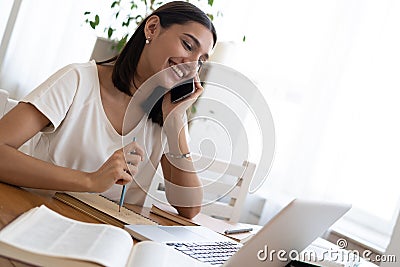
[(43, 237)]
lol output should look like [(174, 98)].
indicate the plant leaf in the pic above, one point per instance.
[(122, 42), (211, 16), (114, 4), (86, 13), (138, 18), (128, 21), (95, 22), (210, 2), (244, 38), (110, 32)]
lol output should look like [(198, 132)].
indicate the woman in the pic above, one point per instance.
[(79, 115)]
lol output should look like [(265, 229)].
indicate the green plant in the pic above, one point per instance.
[(126, 15)]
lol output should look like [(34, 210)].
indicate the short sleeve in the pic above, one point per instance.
[(54, 97)]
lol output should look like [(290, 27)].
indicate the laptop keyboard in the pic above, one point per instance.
[(214, 253)]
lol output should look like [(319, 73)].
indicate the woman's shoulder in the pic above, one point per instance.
[(73, 72), (80, 67), (67, 79)]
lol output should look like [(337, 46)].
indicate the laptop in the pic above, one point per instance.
[(293, 229)]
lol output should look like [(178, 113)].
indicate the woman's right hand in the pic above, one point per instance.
[(120, 167)]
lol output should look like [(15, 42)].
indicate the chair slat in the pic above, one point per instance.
[(224, 195)]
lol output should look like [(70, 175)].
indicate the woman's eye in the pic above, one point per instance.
[(187, 45)]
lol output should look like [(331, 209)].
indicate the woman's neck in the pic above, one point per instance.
[(106, 83), (143, 71)]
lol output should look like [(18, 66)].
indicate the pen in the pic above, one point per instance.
[(238, 231), (121, 200)]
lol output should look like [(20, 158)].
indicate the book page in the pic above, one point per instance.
[(49, 233)]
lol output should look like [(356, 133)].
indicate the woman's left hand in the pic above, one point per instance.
[(179, 108)]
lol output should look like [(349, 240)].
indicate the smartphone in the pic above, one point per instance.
[(182, 90)]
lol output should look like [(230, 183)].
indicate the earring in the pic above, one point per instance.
[(147, 40)]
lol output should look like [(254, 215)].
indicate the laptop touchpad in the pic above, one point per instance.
[(181, 233)]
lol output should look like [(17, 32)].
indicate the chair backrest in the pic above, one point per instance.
[(225, 187), (6, 104)]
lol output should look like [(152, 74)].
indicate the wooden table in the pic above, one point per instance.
[(15, 200)]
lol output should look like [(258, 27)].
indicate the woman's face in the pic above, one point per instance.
[(191, 42)]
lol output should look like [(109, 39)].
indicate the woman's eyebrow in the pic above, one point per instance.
[(196, 42)]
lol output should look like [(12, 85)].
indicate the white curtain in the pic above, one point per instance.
[(330, 71), (47, 35)]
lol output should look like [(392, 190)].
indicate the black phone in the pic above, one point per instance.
[(182, 90)]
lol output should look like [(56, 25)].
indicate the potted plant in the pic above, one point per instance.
[(123, 18)]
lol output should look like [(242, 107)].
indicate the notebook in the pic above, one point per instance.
[(294, 228), (102, 209)]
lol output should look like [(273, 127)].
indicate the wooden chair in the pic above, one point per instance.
[(225, 187)]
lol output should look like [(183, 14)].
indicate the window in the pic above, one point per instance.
[(330, 73)]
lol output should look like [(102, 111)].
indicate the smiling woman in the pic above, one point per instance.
[(80, 113)]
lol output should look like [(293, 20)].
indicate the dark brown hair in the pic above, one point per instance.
[(177, 12)]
